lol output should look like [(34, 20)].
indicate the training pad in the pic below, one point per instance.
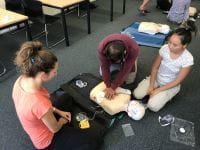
[(145, 39)]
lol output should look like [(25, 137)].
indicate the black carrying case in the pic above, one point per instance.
[(81, 96)]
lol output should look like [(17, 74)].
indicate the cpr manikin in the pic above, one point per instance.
[(121, 102), (153, 28)]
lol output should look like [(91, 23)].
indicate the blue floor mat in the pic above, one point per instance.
[(156, 40)]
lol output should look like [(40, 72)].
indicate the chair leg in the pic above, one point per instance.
[(78, 8), (4, 69), (37, 35), (47, 41), (46, 34), (26, 35), (79, 13)]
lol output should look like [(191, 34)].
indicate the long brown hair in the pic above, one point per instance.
[(32, 58)]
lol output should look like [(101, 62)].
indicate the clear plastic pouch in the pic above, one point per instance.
[(81, 116), (81, 84), (166, 120), (128, 130), (182, 131)]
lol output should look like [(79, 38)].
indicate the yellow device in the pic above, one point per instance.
[(84, 124)]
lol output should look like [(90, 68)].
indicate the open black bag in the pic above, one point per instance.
[(99, 119)]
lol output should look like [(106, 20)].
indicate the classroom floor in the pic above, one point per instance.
[(81, 56)]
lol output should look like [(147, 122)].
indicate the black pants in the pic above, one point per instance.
[(70, 138), (164, 5)]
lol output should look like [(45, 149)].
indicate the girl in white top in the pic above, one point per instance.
[(171, 66)]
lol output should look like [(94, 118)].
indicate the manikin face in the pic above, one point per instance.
[(175, 44), (51, 74)]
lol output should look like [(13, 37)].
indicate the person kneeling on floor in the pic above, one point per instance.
[(47, 124), (171, 66), (117, 52)]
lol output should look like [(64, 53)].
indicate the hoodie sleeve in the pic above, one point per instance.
[(132, 54), (132, 49), (105, 68), (123, 73), (104, 63)]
